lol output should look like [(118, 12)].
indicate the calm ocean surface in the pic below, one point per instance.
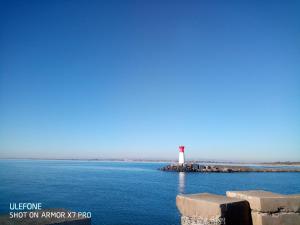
[(120, 193)]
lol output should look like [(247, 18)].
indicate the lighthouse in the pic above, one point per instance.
[(181, 155)]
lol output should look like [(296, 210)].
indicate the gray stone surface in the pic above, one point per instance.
[(282, 218), (185, 220)]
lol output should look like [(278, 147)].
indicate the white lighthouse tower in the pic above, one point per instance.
[(181, 155)]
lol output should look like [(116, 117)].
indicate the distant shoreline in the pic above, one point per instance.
[(281, 164), (287, 163), (93, 160)]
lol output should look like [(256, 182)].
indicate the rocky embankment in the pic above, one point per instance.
[(192, 167)]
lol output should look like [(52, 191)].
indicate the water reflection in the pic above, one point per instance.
[(181, 183)]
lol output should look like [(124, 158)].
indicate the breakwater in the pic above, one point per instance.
[(194, 167)]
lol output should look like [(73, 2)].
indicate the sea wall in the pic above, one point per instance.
[(194, 167), (239, 208)]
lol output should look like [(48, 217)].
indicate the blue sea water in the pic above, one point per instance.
[(121, 193)]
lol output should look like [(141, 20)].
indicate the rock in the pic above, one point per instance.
[(192, 167)]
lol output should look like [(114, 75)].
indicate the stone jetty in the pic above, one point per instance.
[(194, 167)]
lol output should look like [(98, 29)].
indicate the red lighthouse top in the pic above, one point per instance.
[(181, 148)]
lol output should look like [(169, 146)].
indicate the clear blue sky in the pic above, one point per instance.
[(84, 79)]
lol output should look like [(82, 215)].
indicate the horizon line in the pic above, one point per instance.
[(153, 160)]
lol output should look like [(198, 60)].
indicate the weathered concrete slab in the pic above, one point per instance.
[(275, 218), (185, 220), (263, 201), (75, 220), (213, 207)]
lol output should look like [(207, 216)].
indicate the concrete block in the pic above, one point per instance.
[(275, 218), (212, 207), (263, 201)]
